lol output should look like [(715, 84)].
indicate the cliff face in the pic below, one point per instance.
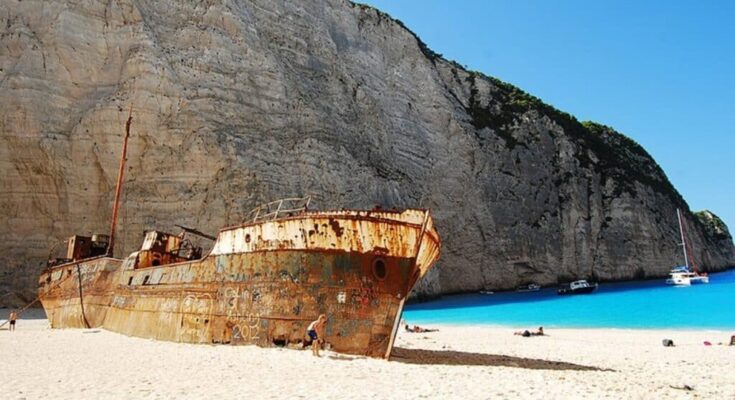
[(241, 102)]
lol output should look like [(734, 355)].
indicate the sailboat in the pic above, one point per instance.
[(683, 275)]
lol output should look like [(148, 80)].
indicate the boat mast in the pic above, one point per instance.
[(683, 242), (118, 189)]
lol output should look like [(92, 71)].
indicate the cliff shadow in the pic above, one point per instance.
[(450, 357), (31, 313)]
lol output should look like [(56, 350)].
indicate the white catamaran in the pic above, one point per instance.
[(683, 275)]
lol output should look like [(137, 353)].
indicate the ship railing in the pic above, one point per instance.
[(279, 208)]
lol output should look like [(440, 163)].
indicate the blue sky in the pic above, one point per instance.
[(661, 72)]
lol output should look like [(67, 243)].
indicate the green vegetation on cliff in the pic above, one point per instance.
[(713, 224), (615, 155)]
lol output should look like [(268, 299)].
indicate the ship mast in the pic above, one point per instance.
[(118, 189), (683, 241)]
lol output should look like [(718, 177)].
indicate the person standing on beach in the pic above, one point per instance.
[(11, 318), (315, 331)]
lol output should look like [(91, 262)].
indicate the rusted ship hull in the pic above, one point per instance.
[(78, 295), (261, 284)]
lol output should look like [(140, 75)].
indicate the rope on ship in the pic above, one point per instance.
[(22, 310), (81, 297)]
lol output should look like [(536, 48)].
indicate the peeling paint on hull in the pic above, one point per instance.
[(262, 284)]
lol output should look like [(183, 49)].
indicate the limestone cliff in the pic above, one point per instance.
[(239, 102)]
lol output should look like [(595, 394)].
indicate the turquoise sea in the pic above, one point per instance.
[(643, 304)]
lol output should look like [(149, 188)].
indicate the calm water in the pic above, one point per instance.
[(648, 304)]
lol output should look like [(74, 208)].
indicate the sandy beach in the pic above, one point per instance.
[(456, 362)]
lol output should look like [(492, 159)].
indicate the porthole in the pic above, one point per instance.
[(379, 269)]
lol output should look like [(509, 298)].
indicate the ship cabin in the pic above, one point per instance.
[(81, 247), (161, 248)]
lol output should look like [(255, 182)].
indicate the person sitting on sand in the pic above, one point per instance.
[(732, 340), (315, 332), (11, 318)]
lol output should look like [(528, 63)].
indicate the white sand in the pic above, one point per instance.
[(40, 363)]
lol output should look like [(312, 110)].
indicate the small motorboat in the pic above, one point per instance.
[(577, 287), (529, 288), (486, 292)]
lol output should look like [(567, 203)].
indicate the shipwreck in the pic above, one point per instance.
[(261, 283)]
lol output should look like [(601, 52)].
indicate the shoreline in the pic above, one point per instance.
[(455, 362), (39, 314)]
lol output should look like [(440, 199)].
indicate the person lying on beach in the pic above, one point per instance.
[(732, 340), (418, 329), (315, 332), (527, 333)]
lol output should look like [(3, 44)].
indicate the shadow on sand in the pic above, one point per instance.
[(449, 357)]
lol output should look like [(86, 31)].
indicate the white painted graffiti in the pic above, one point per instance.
[(244, 327), (195, 312)]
